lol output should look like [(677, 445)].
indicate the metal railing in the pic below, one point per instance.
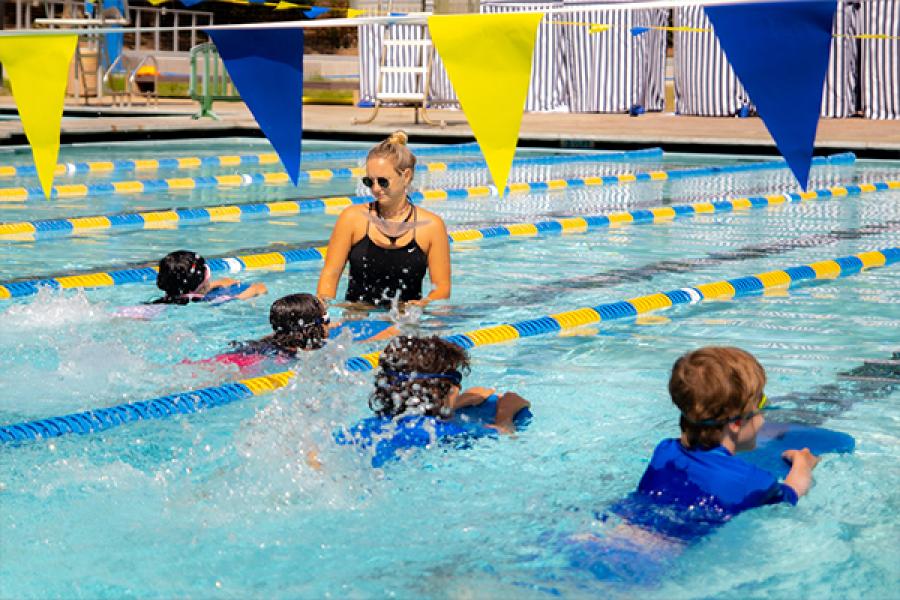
[(131, 82), (183, 21), (209, 80), (190, 22)]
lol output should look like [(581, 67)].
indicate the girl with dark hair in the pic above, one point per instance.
[(185, 277), (418, 399), (300, 322)]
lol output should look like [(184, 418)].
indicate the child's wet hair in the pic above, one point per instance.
[(180, 272), (713, 384), (406, 395), (394, 149), (298, 322)]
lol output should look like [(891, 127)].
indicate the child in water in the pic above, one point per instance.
[(300, 322), (418, 399), (719, 392), (185, 277)]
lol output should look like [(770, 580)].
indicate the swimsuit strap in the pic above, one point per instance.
[(393, 238)]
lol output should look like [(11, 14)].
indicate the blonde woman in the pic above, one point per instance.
[(390, 243)]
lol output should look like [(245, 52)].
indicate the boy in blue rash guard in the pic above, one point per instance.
[(697, 477), (417, 397)]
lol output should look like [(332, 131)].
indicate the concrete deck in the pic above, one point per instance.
[(877, 139)]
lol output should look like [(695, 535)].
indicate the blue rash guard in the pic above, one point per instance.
[(391, 436), (684, 493)]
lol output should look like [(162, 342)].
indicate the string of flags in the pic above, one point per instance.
[(778, 50)]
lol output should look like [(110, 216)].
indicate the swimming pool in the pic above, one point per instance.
[(222, 504)]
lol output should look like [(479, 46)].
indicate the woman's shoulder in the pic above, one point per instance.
[(427, 215)]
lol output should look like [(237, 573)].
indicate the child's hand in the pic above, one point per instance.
[(803, 459), (508, 405), (473, 396), (802, 464)]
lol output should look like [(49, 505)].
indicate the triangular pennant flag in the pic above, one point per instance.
[(636, 31), (266, 66), (38, 70), (488, 59), (191, 2), (316, 11), (352, 13), (780, 52), (282, 5), (599, 28)]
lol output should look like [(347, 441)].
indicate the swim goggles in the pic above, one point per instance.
[(718, 423), (453, 376), (383, 182)]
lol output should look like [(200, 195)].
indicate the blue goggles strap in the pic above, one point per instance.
[(453, 376)]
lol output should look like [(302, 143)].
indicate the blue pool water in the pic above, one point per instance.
[(223, 504)]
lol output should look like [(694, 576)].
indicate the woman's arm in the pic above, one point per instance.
[(438, 263), (336, 255)]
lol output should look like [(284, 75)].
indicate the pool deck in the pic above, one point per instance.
[(868, 138)]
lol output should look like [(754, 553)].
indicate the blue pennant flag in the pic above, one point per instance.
[(266, 66), (639, 30), (316, 11), (780, 52)]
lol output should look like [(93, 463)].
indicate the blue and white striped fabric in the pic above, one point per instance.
[(613, 70), (880, 60), (547, 91), (842, 78), (705, 84)]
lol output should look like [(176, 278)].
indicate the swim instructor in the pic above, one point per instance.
[(390, 242)]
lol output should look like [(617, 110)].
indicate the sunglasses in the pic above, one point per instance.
[(383, 182), (714, 423)]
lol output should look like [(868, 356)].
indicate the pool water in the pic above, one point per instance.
[(223, 504)]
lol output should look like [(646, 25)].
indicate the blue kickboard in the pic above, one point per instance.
[(775, 438)]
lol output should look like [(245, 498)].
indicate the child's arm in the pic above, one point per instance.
[(802, 464), (224, 282), (472, 397), (256, 289), (508, 405)]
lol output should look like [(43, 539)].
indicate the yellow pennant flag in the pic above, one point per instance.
[(352, 13), (282, 5), (488, 60), (38, 69)]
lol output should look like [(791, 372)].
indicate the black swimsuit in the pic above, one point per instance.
[(377, 274)]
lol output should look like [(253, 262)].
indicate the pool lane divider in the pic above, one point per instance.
[(222, 160), (102, 419), (175, 218), (272, 259), (279, 178)]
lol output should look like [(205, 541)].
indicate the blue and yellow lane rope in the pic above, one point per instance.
[(175, 218), (279, 178), (130, 165), (101, 419), (275, 260)]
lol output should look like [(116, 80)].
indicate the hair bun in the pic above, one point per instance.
[(398, 137)]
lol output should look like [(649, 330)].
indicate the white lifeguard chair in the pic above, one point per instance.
[(392, 86)]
